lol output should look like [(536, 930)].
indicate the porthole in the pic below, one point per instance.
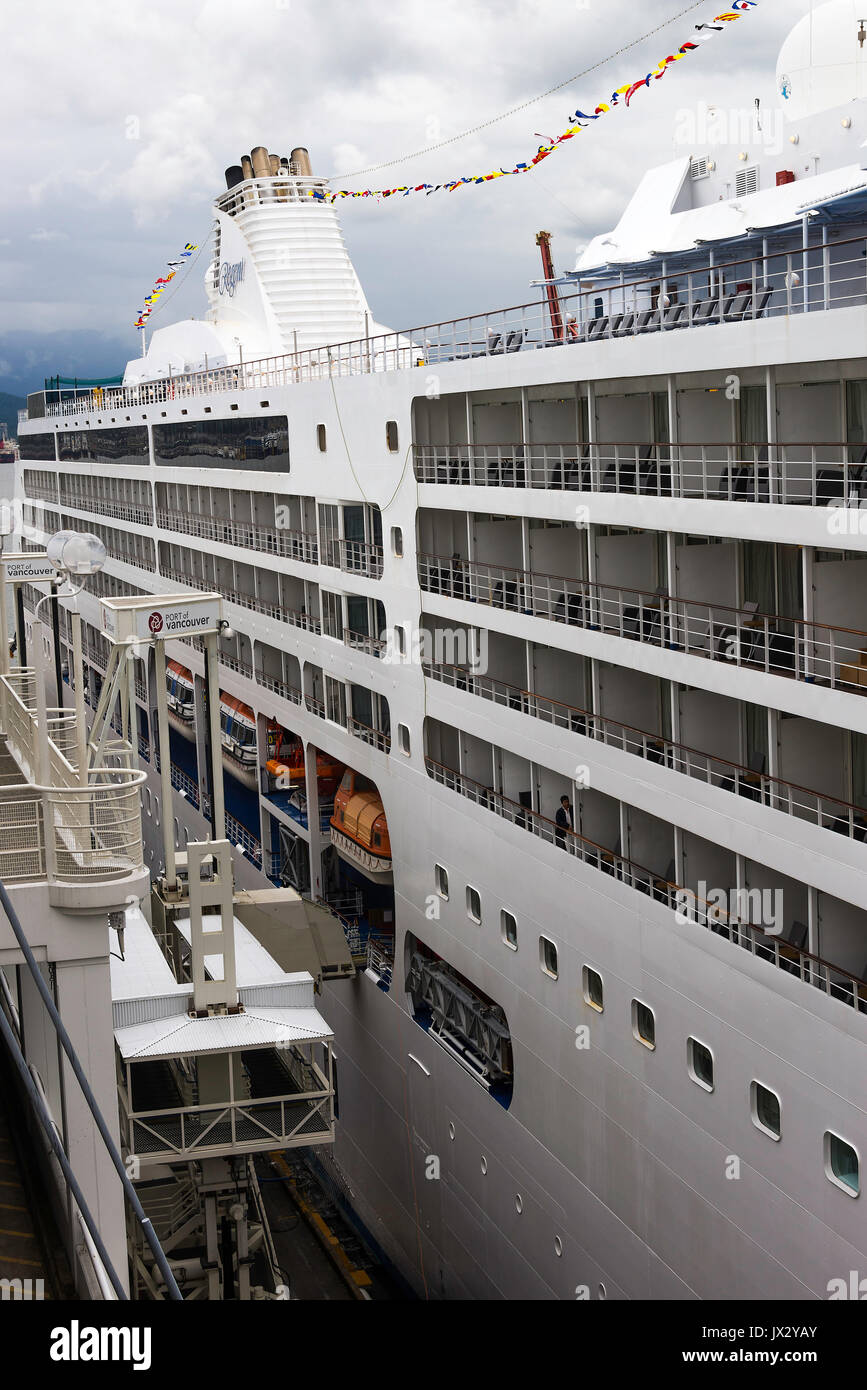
[(603, 1292), (484, 1165), (451, 1131), (558, 1247), (519, 1203)]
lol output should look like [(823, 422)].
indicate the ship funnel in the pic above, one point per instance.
[(300, 160), (234, 176), (246, 166), (275, 165), (261, 163)]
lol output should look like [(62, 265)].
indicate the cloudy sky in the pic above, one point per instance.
[(121, 118)]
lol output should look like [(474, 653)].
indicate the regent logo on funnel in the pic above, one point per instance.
[(155, 623)]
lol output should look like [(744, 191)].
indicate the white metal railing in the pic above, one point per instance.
[(755, 287), (249, 601), (835, 980), (267, 540), (363, 642), (376, 738), (246, 1124), (826, 811), (355, 557), (805, 651), (804, 474), (101, 506), (65, 830)]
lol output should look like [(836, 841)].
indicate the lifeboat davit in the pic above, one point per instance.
[(359, 830)]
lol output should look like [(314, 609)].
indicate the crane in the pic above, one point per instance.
[(543, 241)]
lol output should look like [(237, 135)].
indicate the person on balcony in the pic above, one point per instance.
[(564, 821)]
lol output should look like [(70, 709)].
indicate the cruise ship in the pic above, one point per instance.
[(541, 676)]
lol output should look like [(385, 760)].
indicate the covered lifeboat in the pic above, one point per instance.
[(359, 831), (287, 765)]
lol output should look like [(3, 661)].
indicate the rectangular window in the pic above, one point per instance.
[(593, 992), (548, 957), (396, 541), (335, 701), (643, 1024), (39, 447), (842, 1165), (441, 878), (400, 641), (474, 904), (260, 445), (700, 1063), (127, 445), (321, 438), (403, 739), (332, 615), (391, 436), (509, 929), (765, 1107)]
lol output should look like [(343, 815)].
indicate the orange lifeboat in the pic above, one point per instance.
[(289, 766), (359, 830)]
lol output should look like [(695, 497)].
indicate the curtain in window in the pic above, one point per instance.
[(754, 415), (756, 731), (759, 579)]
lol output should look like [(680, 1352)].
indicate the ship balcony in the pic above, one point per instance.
[(809, 652), (353, 557), (100, 506), (784, 954), (252, 602), (364, 642), (826, 812), (799, 474), (267, 540), (80, 836)]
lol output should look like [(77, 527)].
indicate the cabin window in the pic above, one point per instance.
[(441, 879), (548, 958), (765, 1108), (403, 739), (377, 838), (400, 641), (700, 1063), (842, 1164), (332, 614), (643, 1024), (509, 929), (321, 438), (593, 990), (391, 436), (474, 905), (397, 541)]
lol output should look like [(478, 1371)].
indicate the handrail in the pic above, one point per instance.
[(409, 348), (464, 678), (811, 968)]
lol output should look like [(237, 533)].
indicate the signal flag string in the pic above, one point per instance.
[(578, 121)]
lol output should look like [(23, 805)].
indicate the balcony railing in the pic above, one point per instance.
[(363, 642), (266, 540), (825, 811), (376, 738), (733, 292), (123, 511), (831, 979), (353, 557), (250, 601), (804, 474), (811, 652), (37, 490)]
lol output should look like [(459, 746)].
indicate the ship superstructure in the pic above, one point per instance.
[(595, 666)]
